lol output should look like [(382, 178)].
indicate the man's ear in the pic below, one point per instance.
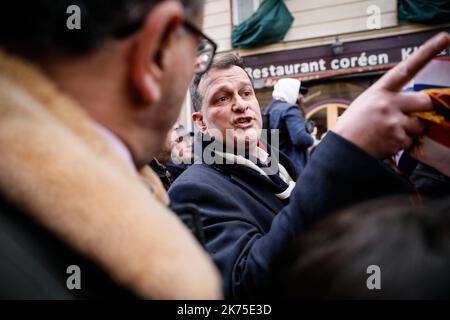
[(148, 48), (197, 118)]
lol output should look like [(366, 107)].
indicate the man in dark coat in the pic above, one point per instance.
[(242, 192), (284, 114)]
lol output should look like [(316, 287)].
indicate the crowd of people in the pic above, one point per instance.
[(89, 147)]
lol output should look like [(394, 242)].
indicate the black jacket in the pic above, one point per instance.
[(246, 226), (293, 138)]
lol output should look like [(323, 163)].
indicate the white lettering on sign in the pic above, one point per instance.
[(286, 70), (359, 61), (406, 52)]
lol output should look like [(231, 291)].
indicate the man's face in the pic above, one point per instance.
[(182, 149), (229, 106), (179, 74), (161, 61)]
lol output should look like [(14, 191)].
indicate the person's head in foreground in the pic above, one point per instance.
[(129, 64), (88, 92), (383, 249)]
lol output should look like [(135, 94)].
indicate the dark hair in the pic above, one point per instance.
[(39, 26), (409, 243), (223, 63)]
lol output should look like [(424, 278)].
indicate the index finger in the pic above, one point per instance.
[(399, 76)]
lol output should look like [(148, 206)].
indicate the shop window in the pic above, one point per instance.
[(243, 9), (325, 116), (328, 100)]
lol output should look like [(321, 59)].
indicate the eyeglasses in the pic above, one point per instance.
[(206, 49)]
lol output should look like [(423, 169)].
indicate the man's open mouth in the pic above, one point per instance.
[(243, 121)]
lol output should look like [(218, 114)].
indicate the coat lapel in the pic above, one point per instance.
[(271, 202)]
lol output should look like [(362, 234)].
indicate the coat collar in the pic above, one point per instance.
[(246, 177)]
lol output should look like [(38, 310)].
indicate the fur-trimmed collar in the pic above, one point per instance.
[(57, 167)]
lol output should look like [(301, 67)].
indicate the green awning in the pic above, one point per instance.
[(424, 11), (269, 24)]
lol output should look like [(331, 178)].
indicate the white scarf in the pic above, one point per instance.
[(263, 156)]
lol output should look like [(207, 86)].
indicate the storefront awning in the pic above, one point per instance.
[(320, 62), (269, 24)]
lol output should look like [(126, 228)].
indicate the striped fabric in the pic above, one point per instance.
[(434, 148)]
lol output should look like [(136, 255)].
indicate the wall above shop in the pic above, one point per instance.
[(312, 18)]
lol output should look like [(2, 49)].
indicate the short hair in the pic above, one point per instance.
[(409, 243), (222, 63), (39, 26)]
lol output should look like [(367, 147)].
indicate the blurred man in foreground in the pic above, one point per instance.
[(82, 113)]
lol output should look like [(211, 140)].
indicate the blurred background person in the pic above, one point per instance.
[(182, 151), (176, 155)]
